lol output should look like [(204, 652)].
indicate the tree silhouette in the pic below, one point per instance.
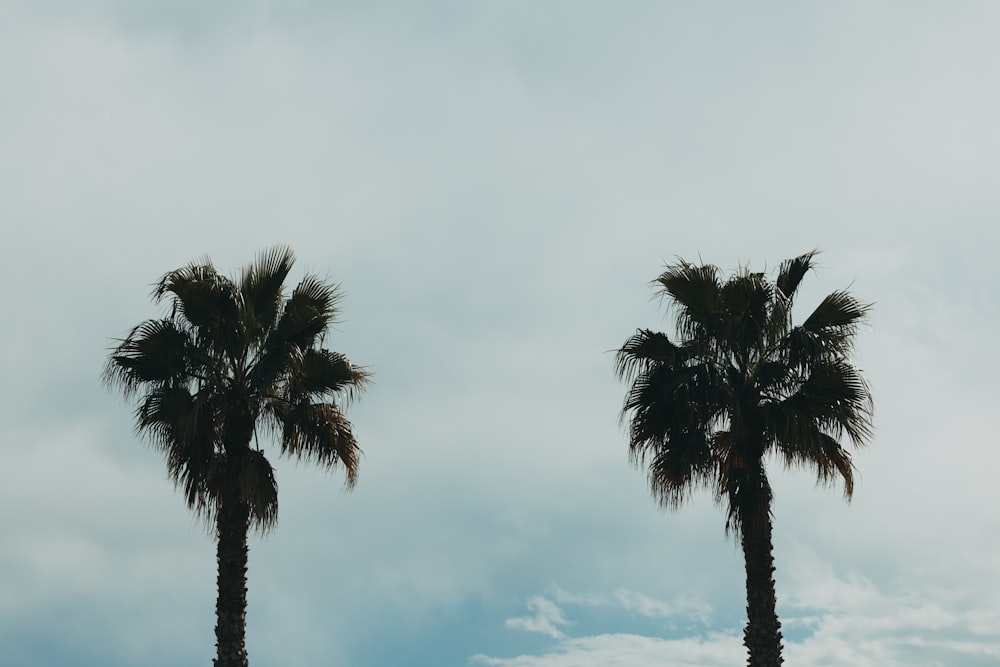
[(739, 383), (232, 360)]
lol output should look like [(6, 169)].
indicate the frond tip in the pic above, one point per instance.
[(641, 350)]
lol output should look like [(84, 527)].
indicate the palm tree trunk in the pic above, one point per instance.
[(762, 636), (230, 609)]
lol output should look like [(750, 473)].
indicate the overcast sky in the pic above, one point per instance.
[(494, 184)]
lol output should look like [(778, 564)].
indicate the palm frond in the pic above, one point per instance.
[(276, 360), (746, 304), (742, 486), (170, 414), (321, 372), (801, 349), (262, 289), (822, 452), (155, 351), (210, 302), (656, 404), (681, 465), (771, 377), (318, 432), (310, 309), (694, 292), (258, 490), (792, 271), (198, 271), (669, 403), (828, 333), (838, 311), (185, 428), (835, 398), (642, 350)]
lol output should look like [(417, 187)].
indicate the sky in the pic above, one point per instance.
[(494, 185)]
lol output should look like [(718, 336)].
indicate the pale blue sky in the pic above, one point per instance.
[(494, 185)]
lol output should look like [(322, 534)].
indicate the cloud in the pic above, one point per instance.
[(627, 650), (546, 619), (852, 620), (565, 597), (828, 619), (643, 605), (637, 603)]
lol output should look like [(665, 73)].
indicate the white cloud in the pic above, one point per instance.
[(641, 604), (625, 650), (847, 620), (546, 619), (854, 621), (637, 603), (565, 597)]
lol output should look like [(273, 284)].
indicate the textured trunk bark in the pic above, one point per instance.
[(762, 636), (230, 609)]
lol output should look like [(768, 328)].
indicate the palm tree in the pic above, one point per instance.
[(234, 359), (737, 384)]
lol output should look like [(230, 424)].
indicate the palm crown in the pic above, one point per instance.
[(231, 354), (739, 382)]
